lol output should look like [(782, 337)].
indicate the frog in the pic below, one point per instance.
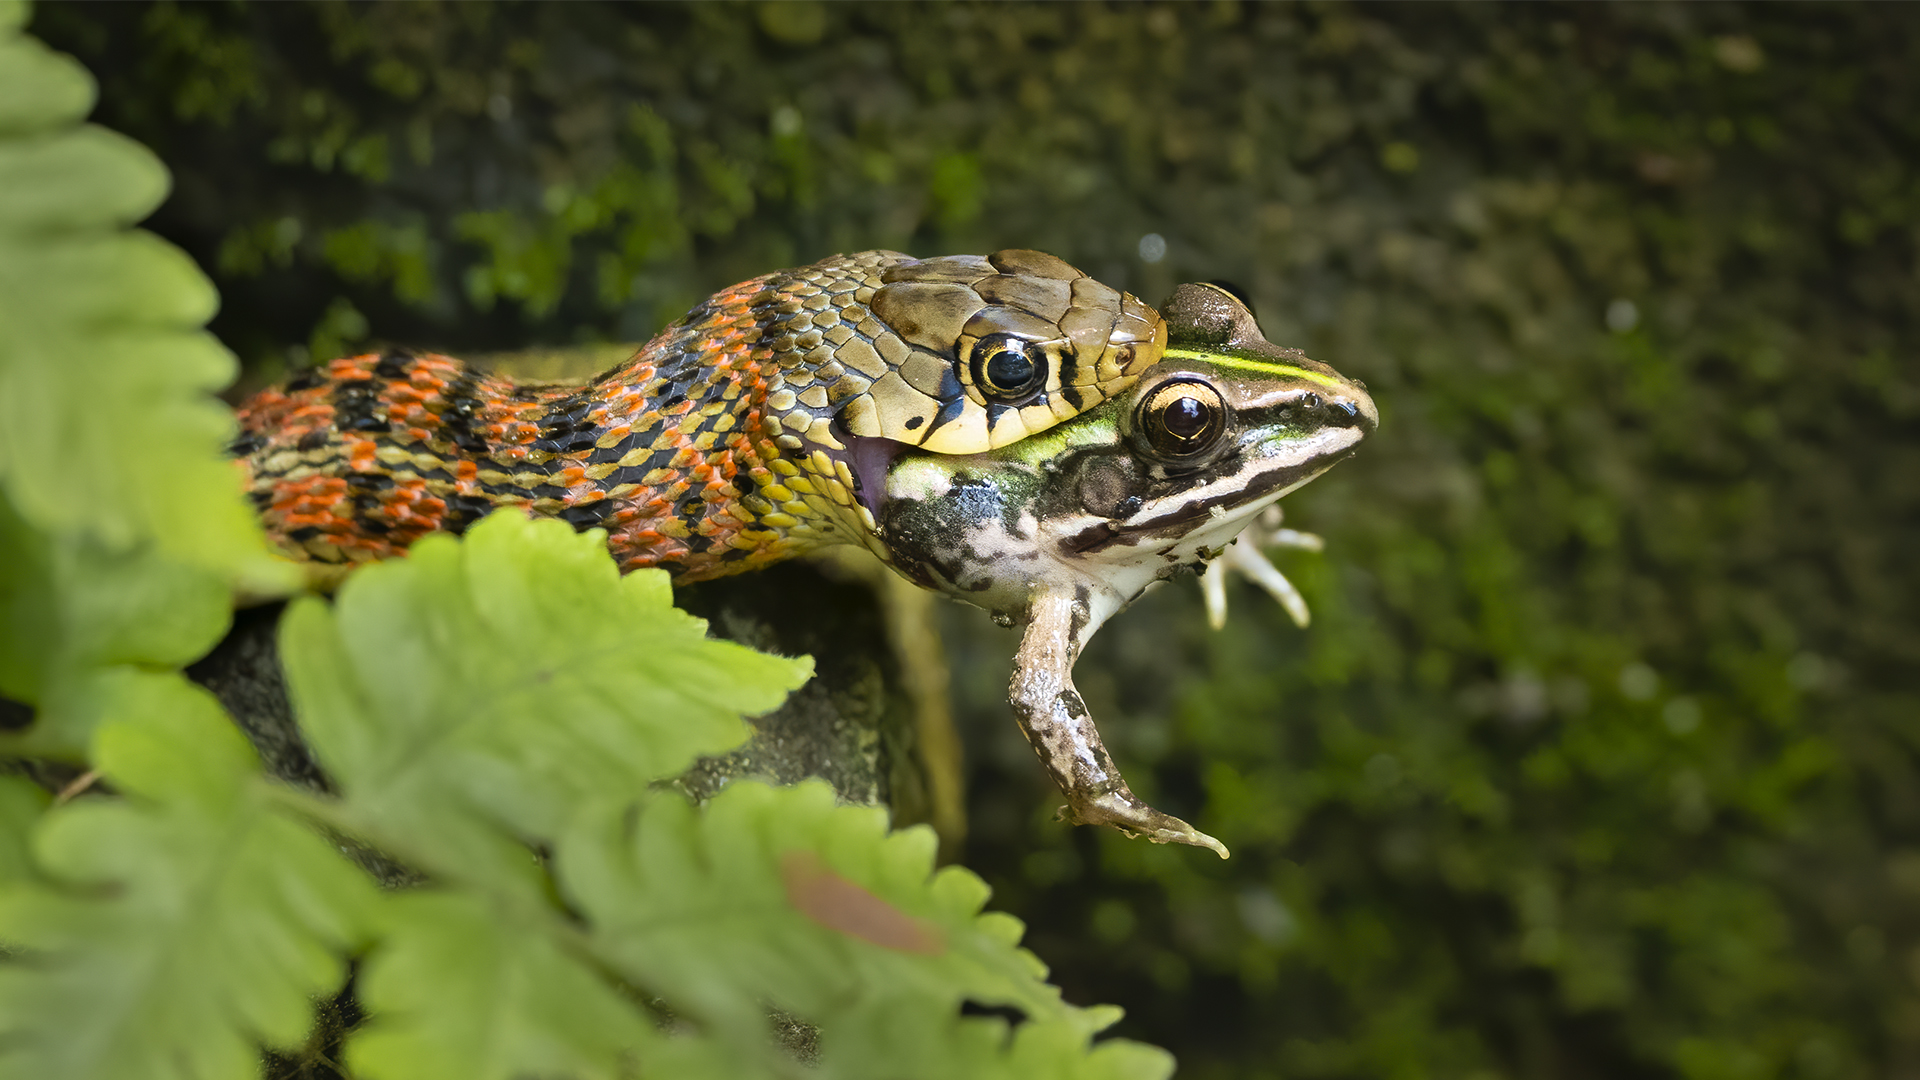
[(1059, 532)]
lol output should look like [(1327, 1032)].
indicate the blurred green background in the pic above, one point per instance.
[(1599, 759)]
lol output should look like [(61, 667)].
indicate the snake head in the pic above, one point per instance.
[(986, 351), (878, 354)]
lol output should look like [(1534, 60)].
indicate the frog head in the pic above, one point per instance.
[(1059, 531)]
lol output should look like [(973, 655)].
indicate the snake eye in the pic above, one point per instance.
[(1183, 418), (1008, 369)]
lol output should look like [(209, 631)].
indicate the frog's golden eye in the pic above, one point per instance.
[(1008, 369), (1183, 418)]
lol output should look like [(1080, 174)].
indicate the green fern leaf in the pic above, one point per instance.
[(477, 692), (895, 1039), (39, 90), (120, 524), (179, 928), (21, 804), (463, 990), (76, 616), (779, 896), (135, 426)]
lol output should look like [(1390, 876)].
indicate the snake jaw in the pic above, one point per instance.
[(868, 458)]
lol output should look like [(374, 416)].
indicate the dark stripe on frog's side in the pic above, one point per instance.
[(1180, 521)]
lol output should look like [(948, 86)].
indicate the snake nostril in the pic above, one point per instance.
[(1345, 413)]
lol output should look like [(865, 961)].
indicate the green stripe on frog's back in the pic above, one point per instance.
[(1240, 362)]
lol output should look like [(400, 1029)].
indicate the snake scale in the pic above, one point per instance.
[(759, 425)]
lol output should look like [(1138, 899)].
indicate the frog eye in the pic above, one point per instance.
[(1183, 418), (1008, 369)]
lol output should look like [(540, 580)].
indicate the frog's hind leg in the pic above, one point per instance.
[(1058, 727)]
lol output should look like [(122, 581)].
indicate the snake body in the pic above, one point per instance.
[(759, 425)]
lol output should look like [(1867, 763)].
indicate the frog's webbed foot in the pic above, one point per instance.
[(1246, 556), (1058, 727)]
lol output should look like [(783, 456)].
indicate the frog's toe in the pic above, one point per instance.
[(1251, 561), (1213, 588), (1245, 555), (1248, 560), (1122, 811)]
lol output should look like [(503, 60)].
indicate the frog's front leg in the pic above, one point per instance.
[(1060, 730), (1245, 556)]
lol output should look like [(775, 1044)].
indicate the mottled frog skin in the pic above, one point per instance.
[(1061, 530)]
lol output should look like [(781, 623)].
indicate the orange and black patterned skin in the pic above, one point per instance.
[(756, 427)]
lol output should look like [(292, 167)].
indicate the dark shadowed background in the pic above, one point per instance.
[(1600, 757)]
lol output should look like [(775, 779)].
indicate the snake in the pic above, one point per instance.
[(758, 426)]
